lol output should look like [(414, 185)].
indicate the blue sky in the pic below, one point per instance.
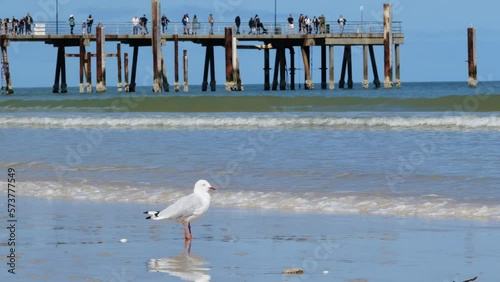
[(435, 46)]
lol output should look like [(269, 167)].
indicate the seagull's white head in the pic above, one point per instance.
[(202, 186)]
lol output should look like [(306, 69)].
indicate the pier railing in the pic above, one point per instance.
[(330, 27)]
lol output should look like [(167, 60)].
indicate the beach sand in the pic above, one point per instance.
[(66, 240)]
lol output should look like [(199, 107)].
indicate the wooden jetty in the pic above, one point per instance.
[(366, 34)]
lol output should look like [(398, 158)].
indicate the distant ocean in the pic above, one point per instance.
[(428, 149)]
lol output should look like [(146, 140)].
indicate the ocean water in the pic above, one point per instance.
[(426, 150)]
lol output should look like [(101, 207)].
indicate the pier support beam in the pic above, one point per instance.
[(156, 45), (176, 63), (292, 68), (376, 80), (164, 74), (282, 69), (88, 71), (101, 60), (119, 66), (185, 57), (349, 67), (6, 70), (276, 69), (332, 78), (343, 70), (209, 63), (365, 82), (60, 72), (471, 48), (309, 84), (323, 66), (125, 67), (82, 64), (228, 47), (387, 45), (267, 85), (134, 69), (397, 82)]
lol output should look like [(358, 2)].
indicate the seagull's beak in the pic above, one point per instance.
[(211, 188)]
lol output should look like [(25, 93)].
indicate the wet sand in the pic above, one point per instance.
[(65, 240)]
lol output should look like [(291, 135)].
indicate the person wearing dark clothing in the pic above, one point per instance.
[(71, 23), (144, 24), (90, 21), (237, 21), (164, 23), (251, 24), (28, 23)]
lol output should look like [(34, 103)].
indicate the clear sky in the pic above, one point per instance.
[(435, 46)]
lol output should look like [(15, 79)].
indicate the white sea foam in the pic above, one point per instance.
[(324, 202), (452, 122)]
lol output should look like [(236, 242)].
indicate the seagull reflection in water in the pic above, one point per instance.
[(186, 266)]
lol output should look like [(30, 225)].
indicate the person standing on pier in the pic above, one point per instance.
[(135, 25), (90, 21), (251, 25), (164, 23), (316, 24), (290, 24), (144, 24), (237, 21), (341, 22), (211, 22), (322, 22), (71, 23), (195, 25), (28, 23)]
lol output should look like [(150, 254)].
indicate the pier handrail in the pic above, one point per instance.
[(331, 27)]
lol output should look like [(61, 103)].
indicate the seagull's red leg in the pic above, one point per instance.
[(185, 233), (190, 234)]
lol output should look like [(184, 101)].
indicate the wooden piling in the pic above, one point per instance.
[(376, 80), (309, 84), (82, 64), (238, 86), (282, 69), (156, 45), (387, 45), (100, 59), (6, 68), (267, 85), (125, 66), (471, 52), (212, 69), (64, 86), (228, 47), (365, 82), (343, 70), (119, 66), (349, 67), (204, 83), (292, 68), (88, 71), (55, 87), (185, 70), (323, 66), (331, 78), (164, 74), (134, 68), (397, 81), (276, 69), (176, 63)]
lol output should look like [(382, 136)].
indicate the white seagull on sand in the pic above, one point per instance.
[(188, 208)]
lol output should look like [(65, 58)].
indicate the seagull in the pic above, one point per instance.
[(188, 208)]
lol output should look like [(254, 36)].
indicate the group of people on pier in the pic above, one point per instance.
[(306, 24), (22, 25), (140, 25)]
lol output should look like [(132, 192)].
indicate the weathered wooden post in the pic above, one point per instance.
[(5, 60), (125, 66), (282, 59), (349, 67), (82, 63), (176, 64), (471, 48), (365, 82), (387, 45), (309, 84), (134, 68), (55, 87), (236, 65), (209, 63), (376, 80), (64, 86), (164, 74), (332, 78), (323, 66), (88, 68), (119, 66), (267, 84), (292, 68), (228, 47), (397, 81), (343, 70), (156, 45), (185, 70), (101, 60)]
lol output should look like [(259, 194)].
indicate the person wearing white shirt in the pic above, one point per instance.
[(135, 23)]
